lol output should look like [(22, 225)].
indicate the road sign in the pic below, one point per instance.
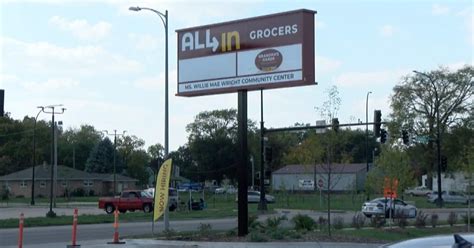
[(424, 139), (271, 51)]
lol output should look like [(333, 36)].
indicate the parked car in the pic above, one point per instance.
[(456, 240), (129, 200), (448, 197), (226, 189), (254, 197), (173, 198), (388, 207), (418, 191)]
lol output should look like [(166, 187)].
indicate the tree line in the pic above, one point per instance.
[(211, 149)]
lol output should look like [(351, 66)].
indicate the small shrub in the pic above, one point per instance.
[(231, 233), (20, 196), (274, 222), (79, 192), (322, 222), (358, 220), (464, 219), (377, 222), (277, 234), (420, 220), (452, 218), (295, 235), (304, 222), (5, 193), (257, 237), (338, 223), (401, 221), (434, 220), (205, 229), (253, 222), (170, 233)]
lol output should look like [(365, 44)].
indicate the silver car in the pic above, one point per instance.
[(388, 207), (448, 197), (254, 197), (418, 191)]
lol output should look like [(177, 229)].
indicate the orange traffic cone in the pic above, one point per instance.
[(116, 234)]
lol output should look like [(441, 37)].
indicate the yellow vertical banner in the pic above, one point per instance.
[(162, 189)]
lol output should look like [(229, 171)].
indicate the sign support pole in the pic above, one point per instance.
[(262, 205), (242, 164)]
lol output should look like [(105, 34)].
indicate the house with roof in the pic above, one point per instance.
[(299, 177), (68, 180)]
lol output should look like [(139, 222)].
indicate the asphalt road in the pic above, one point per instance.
[(55, 234)]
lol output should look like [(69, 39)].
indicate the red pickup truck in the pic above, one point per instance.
[(130, 200)]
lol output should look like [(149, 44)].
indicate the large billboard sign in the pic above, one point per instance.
[(264, 52)]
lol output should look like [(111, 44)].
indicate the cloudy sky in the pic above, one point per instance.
[(106, 64)]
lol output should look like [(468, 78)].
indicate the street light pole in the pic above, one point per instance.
[(367, 134), (115, 152), (53, 126), (34, 158), (164, 20), (438, 136)]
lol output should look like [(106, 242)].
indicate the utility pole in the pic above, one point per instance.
[(53, 154), (115, 152)]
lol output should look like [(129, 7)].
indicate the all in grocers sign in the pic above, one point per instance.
[(264, 52)]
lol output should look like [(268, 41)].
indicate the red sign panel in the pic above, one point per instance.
[(264, 52)]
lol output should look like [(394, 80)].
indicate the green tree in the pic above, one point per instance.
[(419, 98), (75, 145), (213, 143), (101, 159), (393, 163)]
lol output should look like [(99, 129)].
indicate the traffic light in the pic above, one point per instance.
[(444, 163), (268, 154), (405, 138), (383, 136), (335, 124), (377, 122)]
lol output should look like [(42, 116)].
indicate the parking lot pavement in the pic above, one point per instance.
[(148, 243)]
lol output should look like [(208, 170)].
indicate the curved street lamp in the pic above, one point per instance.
[(164, 20), (34, 157), (367, 133)]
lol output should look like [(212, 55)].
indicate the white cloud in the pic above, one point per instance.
[(387, 31), (438, 9), (145, 42), (325, 64), (82, 29), (49, 59), (51, 84), (361, 79), (157, 82), (7, 79)]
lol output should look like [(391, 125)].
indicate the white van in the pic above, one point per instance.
[(172, 197)]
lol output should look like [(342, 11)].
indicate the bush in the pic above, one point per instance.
[(464, 219), (304, 222), (20, 196), (420, 220), (79, 192), (377, 222), (401, 221), (5, 193), (257, 237), (253, 222), (434, 220), (170, 233), (338, 223), (277, 234), (358, 220), (295, 235), (322, 222), (274, 222), (452, 218), (205, 229)]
